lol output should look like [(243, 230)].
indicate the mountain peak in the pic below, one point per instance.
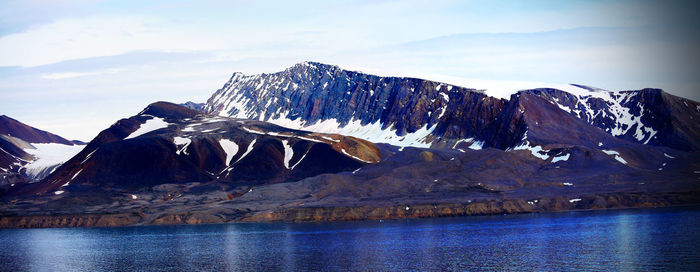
[(312, 65), (169, 110)]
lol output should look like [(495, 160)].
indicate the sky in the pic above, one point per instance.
[(75, 67)]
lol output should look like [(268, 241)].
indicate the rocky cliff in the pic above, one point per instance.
[(423, 113)]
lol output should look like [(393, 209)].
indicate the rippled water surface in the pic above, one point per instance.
[(624, 240)]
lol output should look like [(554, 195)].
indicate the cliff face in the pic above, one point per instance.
[(325, 98), (422, 113)]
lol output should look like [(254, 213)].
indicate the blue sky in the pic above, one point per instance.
[(75, 67)]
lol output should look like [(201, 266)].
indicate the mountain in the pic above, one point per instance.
[(172, 144), (423, 113), (316, 142), (29, 154), (648, 116)]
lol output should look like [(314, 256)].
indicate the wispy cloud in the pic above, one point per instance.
[(79, 38), (65, 75)]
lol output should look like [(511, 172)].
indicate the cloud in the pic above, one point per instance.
[(65, 75), (611, 58), (80, 38)]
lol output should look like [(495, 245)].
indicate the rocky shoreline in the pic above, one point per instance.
[(349, 213)]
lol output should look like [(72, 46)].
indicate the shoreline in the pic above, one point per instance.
[(353, 213)]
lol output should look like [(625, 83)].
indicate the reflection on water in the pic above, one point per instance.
[(632, 240)]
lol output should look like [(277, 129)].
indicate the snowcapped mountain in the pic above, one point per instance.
[(422, 113), (168, 143), (29, 154), (310, 143)]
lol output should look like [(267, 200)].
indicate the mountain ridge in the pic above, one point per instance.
[(326, 98)]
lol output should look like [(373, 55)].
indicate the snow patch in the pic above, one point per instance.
[(477, 145), (288, 153), (230, 148), (616, 154), (253, 131), (248, 150), (309, 139), (536, 151), (564, 108), (560, 158), (184, 142), (150, 125), (442, 112), (300, 159), (446, 97), (348, 154), (467, 140), (76, 174), (330, 139), (48, 156), (88, 156), (372, 132)]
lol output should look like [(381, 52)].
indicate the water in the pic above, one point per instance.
[(623, 240)]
